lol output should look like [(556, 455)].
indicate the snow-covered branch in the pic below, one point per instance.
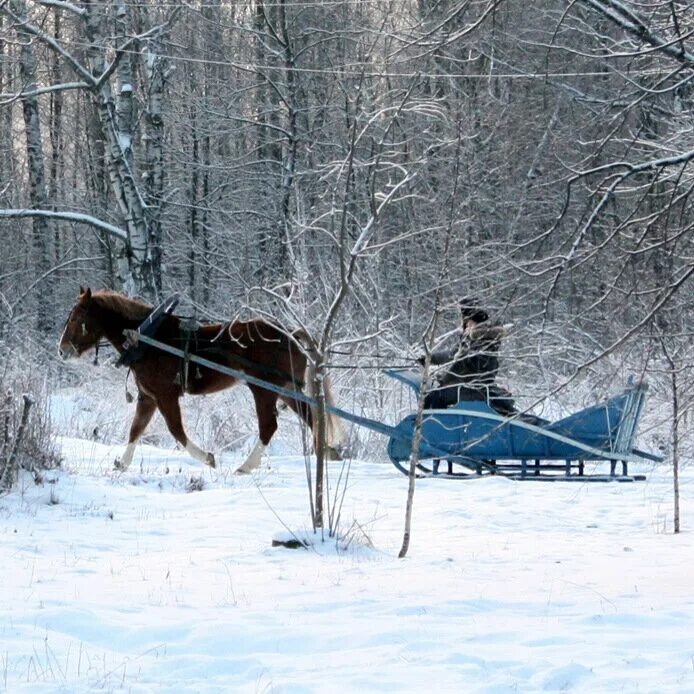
[(52, 43), (39, 91), (76, 217), (368, 230), (61, 6), (621, 15), (90, 81)]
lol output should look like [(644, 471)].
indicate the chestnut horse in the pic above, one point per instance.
[(256, 347)]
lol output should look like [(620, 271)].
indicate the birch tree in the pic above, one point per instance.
[(138, 264)]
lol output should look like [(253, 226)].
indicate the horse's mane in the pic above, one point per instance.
[(132, 309)]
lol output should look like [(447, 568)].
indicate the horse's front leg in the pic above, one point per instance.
[(143, 414), (171, 411), (266, 410)]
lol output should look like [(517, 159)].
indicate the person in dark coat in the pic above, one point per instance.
[(469, 370)]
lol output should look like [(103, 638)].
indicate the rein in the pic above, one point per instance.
[(97, 346)]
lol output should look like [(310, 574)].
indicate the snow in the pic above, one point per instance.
[(143, 582), (125, 141)]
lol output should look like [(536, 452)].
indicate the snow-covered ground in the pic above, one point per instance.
[(141, 582)]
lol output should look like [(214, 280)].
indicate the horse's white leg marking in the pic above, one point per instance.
[(253, 460), (124, 462), (197, 453)]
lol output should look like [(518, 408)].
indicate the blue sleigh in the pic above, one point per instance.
[(471, 439)]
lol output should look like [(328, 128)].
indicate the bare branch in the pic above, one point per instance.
[(76, 217), (59, 4), (621, 15)]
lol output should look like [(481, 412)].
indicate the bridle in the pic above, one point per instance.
[(83, 326), (85, 332)]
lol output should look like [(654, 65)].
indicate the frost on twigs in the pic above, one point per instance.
[(26, 439)]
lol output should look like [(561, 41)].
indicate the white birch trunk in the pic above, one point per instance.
[(154, 152), (133, 265)]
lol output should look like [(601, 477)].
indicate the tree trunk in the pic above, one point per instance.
[(675, 448), (38, 193), (57, 137), (320, 447), (285, 266), (154, 155), (134, 265)]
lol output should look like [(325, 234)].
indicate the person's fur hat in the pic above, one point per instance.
[(470, 310)]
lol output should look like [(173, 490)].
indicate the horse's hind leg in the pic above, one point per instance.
[(171, 411), (302, 409), (143, 414), (266, 410)]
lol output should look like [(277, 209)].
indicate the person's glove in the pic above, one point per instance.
[(421, 360)]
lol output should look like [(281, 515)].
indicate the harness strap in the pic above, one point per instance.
[(271, 370), (149, 325), (148, 328), (128, 395), (186, 361), (215, 348)]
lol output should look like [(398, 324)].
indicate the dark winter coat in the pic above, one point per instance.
[(475, 362)]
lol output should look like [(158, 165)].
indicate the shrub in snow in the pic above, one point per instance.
[(26, 438)]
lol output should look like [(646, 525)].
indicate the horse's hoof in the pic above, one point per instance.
[(241, 471), (210, 460), (333, 453), (118, 465)]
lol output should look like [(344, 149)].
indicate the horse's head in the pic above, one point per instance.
[(82, 330)]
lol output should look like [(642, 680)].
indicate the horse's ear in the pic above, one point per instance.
[(81, 290), (87, 295)]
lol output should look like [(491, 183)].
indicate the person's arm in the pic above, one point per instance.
[(446, 355), (443, 356), (488, 333)]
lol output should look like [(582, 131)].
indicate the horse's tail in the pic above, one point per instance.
[(335, 437)]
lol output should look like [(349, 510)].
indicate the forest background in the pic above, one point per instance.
[(355, 167)]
